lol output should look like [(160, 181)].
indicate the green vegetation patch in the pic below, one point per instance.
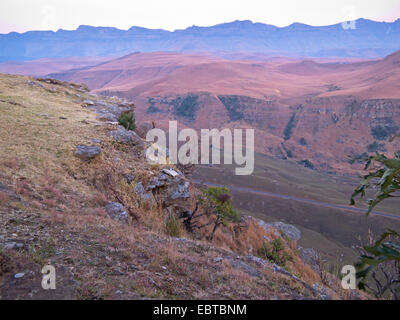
[(375, 146), (153, 109), (127, 120), (274, 252), (307, 163), (384, 132), (186, 107), (234, 106)]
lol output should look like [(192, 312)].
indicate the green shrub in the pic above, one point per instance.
[(218, 201), (222, 201), (274, 252), (307, 163), (127, 120)]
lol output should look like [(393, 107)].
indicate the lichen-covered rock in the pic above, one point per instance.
[(288, 230), (310, 257), (257, 260), (243, 266), (87, 153), (173, 184), (117, 212), (143, 194), (107, 116), (170, 188), (125, 136)]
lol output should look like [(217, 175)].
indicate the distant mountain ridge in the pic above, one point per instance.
[(370, 39)]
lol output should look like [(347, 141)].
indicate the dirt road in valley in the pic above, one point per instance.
[(288, 197)]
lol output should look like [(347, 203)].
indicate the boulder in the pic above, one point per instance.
[(288, 230), (107, 116), (117, 212), (243, 266), (170, 188), (310, 257), (258, 261), (87, 153), (172, 185), (143, 194), (88, 102), (125, 136)]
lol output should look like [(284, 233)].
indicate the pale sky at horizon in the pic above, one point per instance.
[(25, 15)]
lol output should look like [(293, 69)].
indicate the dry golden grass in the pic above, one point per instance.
[(37, 161)]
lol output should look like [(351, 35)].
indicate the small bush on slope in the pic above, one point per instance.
[(127, 120)]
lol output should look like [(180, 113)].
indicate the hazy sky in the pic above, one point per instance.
[(24, 15)]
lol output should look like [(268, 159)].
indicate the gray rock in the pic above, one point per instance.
[(170, 189), (13, 245), (310, 257), (107, 116), (142, 193), (324, 293), (260, 262), (171, 172), (288, 230), (125, 136), (87, 153), (33, 83), (117, 212), (9, 192), (181, 191), (88, 102), (238, 264), (129, 178)]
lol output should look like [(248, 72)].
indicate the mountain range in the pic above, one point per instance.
[(368, 39)]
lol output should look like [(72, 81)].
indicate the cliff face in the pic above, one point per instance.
[(318, 112), (326, 131), (76, 193)]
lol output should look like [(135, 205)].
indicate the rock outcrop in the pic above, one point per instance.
[(117, 212), (170, 188), (87, 153), (290, 231)]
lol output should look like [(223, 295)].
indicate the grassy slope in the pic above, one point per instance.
[(61, 218)]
